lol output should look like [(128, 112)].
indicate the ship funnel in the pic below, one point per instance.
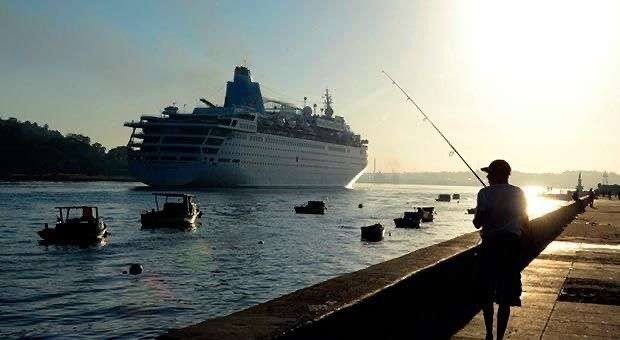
[(243, 92)]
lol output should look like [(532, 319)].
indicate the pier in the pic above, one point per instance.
[(570, 289)]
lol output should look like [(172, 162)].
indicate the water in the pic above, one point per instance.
[(219, 268)]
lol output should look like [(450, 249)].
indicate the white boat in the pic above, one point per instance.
[(245, 144)]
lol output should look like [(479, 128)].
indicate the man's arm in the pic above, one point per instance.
[(480, 216)]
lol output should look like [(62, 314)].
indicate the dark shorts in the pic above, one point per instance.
[(499, 271)]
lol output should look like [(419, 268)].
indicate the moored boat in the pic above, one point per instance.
[(427, 213), (409, 220), (312, 207), (181, 213), (88, 228), (443, 198), (373, 233)]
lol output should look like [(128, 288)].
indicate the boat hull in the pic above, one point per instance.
[(69, 233), (206, 174), (267, 161), (406, 223), (158, 220), (373, 233)]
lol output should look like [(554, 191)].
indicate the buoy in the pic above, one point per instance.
[(135, 269), (360, 205), (261, 242)]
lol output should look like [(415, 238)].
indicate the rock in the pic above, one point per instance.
[(135, 269)]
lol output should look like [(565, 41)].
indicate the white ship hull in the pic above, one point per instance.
[(259, 160)]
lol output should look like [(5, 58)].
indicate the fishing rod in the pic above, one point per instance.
[(434, 126)]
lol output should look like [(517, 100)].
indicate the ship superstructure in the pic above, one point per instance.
[(249, 141)]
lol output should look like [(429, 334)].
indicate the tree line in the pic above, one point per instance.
[(27, 148)]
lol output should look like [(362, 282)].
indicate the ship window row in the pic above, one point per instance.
[(335, 148), (298, 144), (331, 156), (239, 162), (194, 150), (179, 149), (183, 140), (283, 142), (245, 163), (288, 150), (177, 130)]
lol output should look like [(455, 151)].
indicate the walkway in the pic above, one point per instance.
[(572, 290)]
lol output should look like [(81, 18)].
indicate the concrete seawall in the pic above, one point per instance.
[(424, 294)]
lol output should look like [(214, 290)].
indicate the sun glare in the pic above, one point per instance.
[(538, 205), (556, 51)]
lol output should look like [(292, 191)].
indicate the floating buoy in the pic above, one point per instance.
[(261, 242), (135, 269), (360, 205)]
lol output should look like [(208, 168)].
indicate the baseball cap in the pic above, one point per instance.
[(498, 166)]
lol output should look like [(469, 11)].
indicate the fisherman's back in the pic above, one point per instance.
[(501, 210)]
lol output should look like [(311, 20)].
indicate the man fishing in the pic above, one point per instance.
[(501, 213)]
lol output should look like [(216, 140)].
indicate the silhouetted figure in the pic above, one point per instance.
[(501, 212), (591, 198), (609, 194)]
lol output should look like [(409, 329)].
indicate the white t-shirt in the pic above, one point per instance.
[(502, 209)]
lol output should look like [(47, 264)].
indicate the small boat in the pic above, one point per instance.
[(409, 220), (471, 211), (312, 207), (427, 213), (443, 198), (456, 196), (88, 228), (181, 213), (373, 233)]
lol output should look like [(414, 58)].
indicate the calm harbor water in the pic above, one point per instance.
[(216, 269)]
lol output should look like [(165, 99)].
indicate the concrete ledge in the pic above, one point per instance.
[(425, 294)]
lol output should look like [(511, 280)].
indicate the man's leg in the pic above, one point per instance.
[(487, 311), (503, 313)]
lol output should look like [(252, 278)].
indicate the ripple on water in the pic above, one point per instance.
[(215, 269)]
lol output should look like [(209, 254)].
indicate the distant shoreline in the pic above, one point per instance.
[(65, 178)]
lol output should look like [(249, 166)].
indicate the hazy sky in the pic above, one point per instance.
[(536, 83)]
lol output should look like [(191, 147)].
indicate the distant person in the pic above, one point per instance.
[(501, 212), (609, 194), (618, 194), (591, 198)]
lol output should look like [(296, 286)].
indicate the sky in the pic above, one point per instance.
[(532, 82)]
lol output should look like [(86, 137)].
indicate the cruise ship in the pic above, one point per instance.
[(250, 141)]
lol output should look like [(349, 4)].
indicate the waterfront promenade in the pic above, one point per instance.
[(571, 291)]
